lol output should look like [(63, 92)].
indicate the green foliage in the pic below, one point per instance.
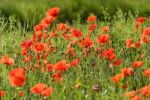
[(31, 11), (86, 74)]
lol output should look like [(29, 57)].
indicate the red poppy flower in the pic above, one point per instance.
[(26, 44), (137, 44), (137, 64), (75, 62), (62, 26), (130, 94), (34, 38), (57, 76), (104, 38), (147, 72), (117, 78), (105, 29), (38, 88), (53, 34), (43, 26), (145, 91), (144, 39), (92, 27), (2, 93), (17, 77), (39, 47), (61, 66), (135, 98), (48, 20), (38, 27), (6, 60), (47, 92), (86, 42), (53, 11), (67, 36), (91, 18), (50, 67), (109, 54), (140, 19), (127, 71), (117, 62), (24, 51), (76, 33), (146, 31), (42, 89), (39, 35), (129, 42)]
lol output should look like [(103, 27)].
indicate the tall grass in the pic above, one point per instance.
[(92, 71), (31, 11)]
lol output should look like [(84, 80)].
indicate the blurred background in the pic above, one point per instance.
[(31, 11)]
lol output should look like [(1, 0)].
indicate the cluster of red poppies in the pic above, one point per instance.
[(129, 71), (39, 48)]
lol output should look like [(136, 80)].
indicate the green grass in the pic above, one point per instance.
[(32, 11), (92, 71)]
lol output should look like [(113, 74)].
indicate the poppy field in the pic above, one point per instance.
[(95, 60)]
